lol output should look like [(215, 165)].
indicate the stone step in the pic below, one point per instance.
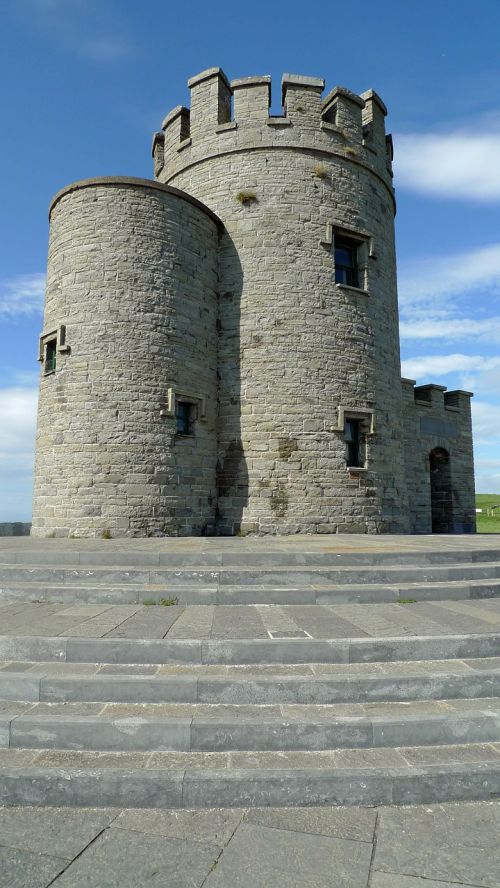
[(327, 594), (200, 780), (447, 681), (234, 554), (198, 728), (248, 650), (172, 579)]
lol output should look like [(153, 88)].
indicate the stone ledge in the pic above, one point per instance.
[(132, 182)]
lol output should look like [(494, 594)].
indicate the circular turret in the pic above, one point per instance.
[(310, 436), (129, 363)]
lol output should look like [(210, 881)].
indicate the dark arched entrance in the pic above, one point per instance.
[(441, 494)]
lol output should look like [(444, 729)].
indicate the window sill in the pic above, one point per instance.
[(48, 372), (359, 291), (356, 469)]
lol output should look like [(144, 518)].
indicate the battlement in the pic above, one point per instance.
[(236, 114), (437, 397)]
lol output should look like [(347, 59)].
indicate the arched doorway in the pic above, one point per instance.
[(441, 493)]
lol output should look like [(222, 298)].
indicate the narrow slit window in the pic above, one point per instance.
[(353, 440), (185, 417), (50, 359), (346, 262)]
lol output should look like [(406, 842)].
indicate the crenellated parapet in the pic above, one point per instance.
[(228, 116)]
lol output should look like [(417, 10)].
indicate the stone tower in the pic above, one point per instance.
[(220, 349)]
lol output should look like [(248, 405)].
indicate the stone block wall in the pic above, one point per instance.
[(132, 282), (295, 346), (438, 421)]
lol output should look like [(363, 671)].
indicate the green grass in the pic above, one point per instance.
[(485, 522)]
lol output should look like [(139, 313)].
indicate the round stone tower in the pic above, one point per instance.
[(309, 387), (129, 363)]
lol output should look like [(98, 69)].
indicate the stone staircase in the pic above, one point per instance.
[(302, 678)]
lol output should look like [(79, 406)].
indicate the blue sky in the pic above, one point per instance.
[(84, 84)]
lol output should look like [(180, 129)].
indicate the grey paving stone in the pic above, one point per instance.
[(357, 824), (178, 761), (121, 734), (16, 757), (118, 650), (23, 869), (124, 669), (57, 832), (471, 752), (457, 845), (237, 621), (427, 730), (15, 667), (212, 826), (265, 733), (149, 622), (296, 787), (369, 758), (26, 648), (133, 689), (49, 669), (81, 758), (124, 859), (72, 787), (274, 651), (396, 880), (261, 857)]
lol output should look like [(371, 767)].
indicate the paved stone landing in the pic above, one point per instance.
[(433, 846)]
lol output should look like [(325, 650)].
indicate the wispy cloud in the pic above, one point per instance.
[(22, 295), (457, 165), (443, 364), (486, 422), (452, 274), (106, 49), (460, 329), (95, 29)]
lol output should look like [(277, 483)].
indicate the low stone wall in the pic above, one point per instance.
[(15, 528)]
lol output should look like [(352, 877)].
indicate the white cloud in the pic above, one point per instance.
[(442, 364), (485, 423), (17, 436), (462, 164), (449, 275), (451, 329), (22, 295)]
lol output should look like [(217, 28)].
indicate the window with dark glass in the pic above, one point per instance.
[(354, 455), (185, 416), (346, 262), (50, 356)]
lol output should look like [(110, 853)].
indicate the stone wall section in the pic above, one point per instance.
[(436, 418), (132, 276), (293, 345)]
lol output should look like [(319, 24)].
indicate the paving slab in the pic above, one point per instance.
[(458, 845), (57, 832), (24, 869), (213, 826), (261, 857), (125, 859), (357, 824)]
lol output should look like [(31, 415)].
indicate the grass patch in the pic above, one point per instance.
[(488, 523), (246, 197), (161, 602), (407, 601)]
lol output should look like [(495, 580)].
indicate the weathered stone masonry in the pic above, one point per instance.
[(229, 310)]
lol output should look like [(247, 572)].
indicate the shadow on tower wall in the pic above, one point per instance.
[(231, 469)]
